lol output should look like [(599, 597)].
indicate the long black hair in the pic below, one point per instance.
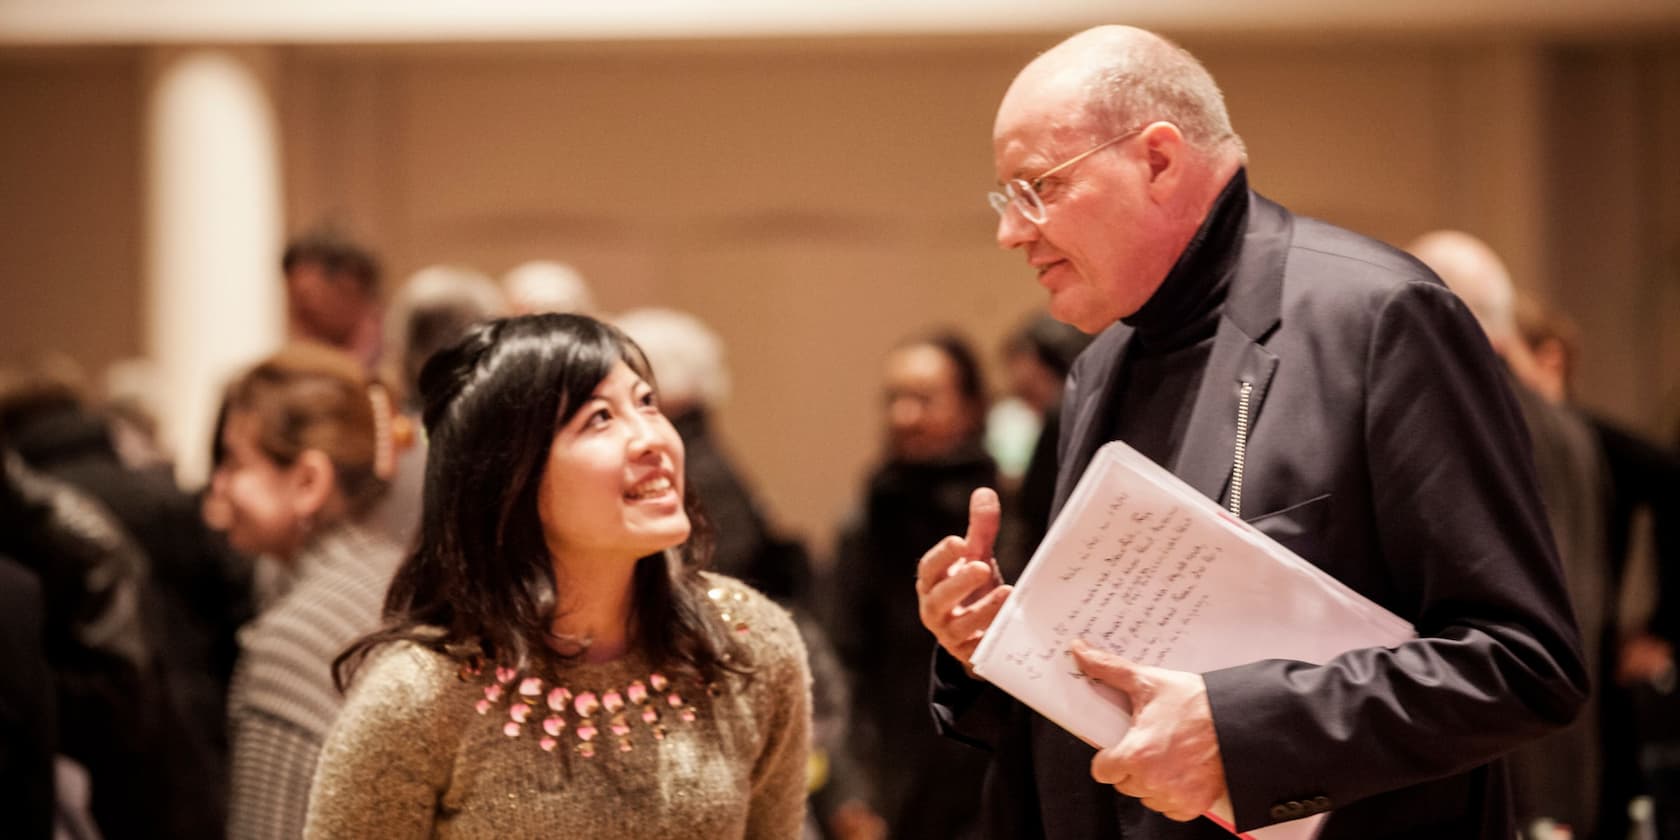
[(480, 582)]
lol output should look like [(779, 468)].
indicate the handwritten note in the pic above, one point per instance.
[(1142, 565)]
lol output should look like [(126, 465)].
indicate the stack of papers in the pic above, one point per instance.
[(1141, 565)]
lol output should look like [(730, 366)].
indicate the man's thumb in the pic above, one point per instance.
[(1110, 670), (984, 513)]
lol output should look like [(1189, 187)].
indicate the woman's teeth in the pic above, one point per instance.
[(650, 488)]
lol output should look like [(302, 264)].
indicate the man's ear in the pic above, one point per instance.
[(313, 483), (1163, 146)]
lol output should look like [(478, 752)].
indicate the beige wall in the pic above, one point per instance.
[(70, 250), (817, 200)]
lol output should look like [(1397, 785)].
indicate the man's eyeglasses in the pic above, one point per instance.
[(1023, 194)]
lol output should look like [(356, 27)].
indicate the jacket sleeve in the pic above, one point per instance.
[(1459, 522)]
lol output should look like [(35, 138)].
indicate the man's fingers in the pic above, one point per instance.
[(984, 514), (1169, 808), (935, 565), (963, 580), (975, 617), (1110, 670)]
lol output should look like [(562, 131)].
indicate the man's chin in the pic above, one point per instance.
[(1081, 319)]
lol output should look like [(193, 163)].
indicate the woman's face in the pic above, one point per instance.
[(612, 488), (254, 499), (927, 416)]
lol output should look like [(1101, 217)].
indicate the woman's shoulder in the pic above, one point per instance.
[(408, 673), (761, 624)]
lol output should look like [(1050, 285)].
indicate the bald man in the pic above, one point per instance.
[(1557, 777), (1373, 433)]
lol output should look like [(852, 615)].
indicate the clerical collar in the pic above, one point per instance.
[(1185, 309)]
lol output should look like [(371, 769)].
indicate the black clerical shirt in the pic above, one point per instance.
[(1173, 334)]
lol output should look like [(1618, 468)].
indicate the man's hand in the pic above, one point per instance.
[(958, 585), (1169, 759)]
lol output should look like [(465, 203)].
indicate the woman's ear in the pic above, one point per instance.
[(314, 483)]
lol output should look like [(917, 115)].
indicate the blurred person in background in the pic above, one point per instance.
[(28, 740), (553, 662), (1037, 358), (307, 452), (332, 294), (431, 311), (541, 286), (1639, 705), (112, 707), (197, 591), (130, 388), (688, 359), (1555, 781), (934, 408)]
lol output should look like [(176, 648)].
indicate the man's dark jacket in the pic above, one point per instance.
[(1386, 449)]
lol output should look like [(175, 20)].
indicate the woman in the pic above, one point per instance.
[(305, 452), (935, 417), (553, 663)]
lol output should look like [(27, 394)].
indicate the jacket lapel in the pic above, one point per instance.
[(1208, 452), (1089, 406), (1251, 312)]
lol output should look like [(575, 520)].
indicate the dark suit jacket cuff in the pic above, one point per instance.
[(965, 709), (1262, 752)]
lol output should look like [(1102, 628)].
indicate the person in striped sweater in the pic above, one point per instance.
[(307, 450)]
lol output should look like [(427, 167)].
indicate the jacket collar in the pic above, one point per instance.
[(1252, 311)]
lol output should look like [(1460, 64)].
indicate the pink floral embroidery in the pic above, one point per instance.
[(586, 704), (640, 699), (558, 698)]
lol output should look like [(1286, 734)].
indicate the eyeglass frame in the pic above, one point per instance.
[(1022, 194)]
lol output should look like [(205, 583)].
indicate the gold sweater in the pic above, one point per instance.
[(427, 748)]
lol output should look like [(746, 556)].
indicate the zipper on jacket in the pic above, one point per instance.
[(1242, 448)]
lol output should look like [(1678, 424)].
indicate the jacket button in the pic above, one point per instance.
[(1280, 813), (1321, 803)]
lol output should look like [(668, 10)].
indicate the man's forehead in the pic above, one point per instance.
[(1046, 103), (1037, 136)]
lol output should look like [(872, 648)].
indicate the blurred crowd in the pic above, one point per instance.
[(168, 650)]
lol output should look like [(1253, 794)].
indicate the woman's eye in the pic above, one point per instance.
[(600, 416), (650, 399)]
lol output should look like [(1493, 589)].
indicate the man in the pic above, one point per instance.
[(332, 294), (1331, 391), (1555, 778)]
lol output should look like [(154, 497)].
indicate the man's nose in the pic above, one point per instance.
[(1014, 230)]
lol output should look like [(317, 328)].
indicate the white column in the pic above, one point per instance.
[(214, 299)]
